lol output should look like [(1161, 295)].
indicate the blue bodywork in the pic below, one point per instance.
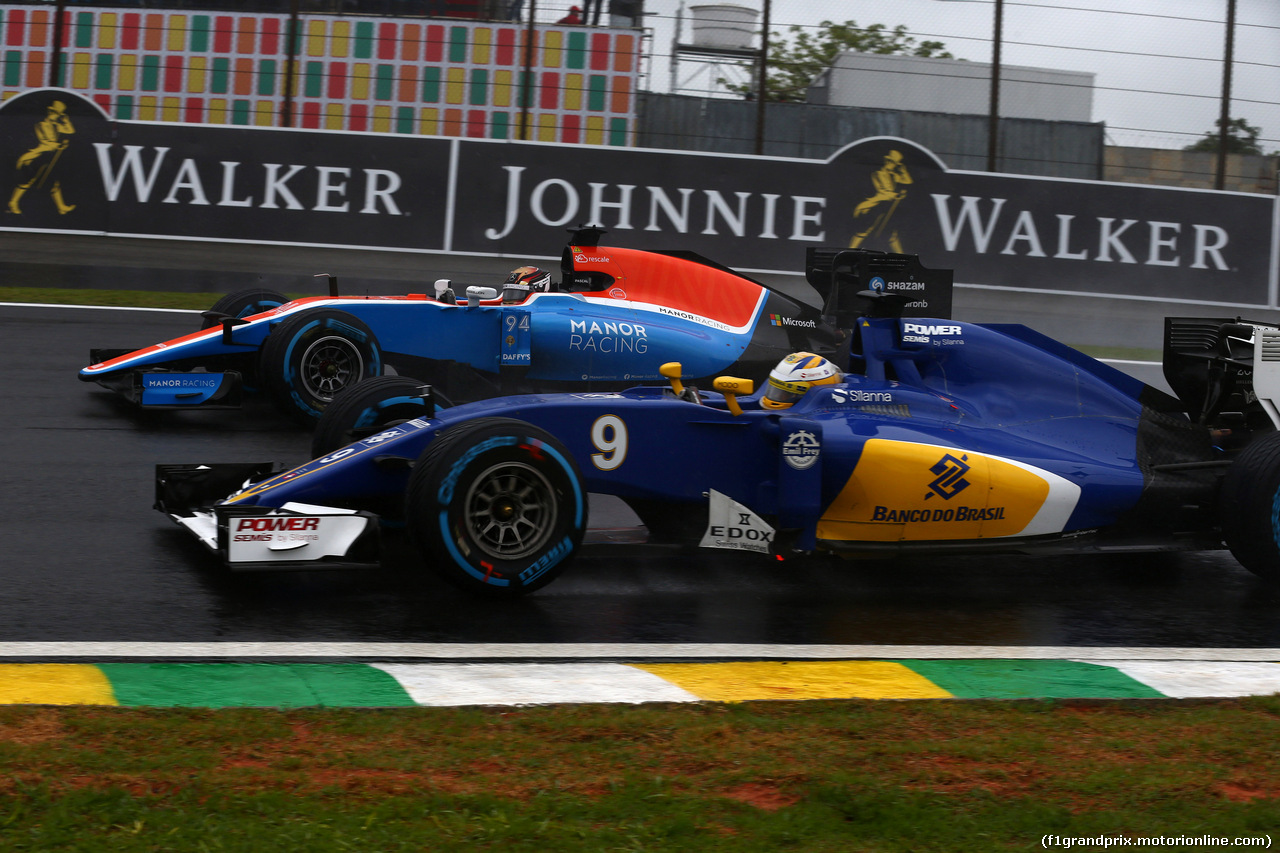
[(942, 437), (962, 388), (616, 317)]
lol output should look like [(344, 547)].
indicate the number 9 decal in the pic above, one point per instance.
[(609, 435)]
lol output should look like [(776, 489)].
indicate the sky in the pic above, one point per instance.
[(1158, 63)]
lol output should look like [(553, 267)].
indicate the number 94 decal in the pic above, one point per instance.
[(609, 435)]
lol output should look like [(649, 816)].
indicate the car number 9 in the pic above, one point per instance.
[(609, 435)]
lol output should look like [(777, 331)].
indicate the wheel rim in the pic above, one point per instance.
[(511, 511), (329, 365)]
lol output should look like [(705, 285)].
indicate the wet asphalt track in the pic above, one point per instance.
[(85, 558)]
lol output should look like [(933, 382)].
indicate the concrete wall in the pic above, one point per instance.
[(1250, 173), (875, 81), (1059, 149)]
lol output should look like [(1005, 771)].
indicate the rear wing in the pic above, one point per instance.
[(1226, 372), (859, 282)]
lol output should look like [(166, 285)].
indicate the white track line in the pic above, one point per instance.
[(609, 651), (98, 307)]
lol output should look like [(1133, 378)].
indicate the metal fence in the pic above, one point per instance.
[(622, 72), (1159, 77)]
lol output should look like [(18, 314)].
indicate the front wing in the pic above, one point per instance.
[(294, 536), (170, 389)]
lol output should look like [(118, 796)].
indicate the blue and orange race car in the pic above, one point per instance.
[(617, 315), (939, 437)]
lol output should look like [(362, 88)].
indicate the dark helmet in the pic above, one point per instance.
[(524, 281)]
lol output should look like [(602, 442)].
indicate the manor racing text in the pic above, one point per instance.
[(607, 337)]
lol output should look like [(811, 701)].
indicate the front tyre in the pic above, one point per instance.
[(311, 356), (1249, 507), (243, 303), (367, 408), (496, 507)]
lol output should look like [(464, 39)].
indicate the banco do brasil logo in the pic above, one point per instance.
[(949, 471)]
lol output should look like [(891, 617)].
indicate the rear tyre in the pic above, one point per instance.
[(244, 303), (496, 507), (1249, 507), (312, 356), (367, 408)]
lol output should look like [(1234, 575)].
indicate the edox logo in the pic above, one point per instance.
[(950, 480)]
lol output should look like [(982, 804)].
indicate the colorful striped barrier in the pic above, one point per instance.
[(295, 685), (432, 77)]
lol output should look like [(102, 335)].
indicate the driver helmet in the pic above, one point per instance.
[(522, 282), (795, 375)]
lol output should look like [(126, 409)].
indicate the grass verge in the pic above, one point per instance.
[(113, 298), (949, 776)]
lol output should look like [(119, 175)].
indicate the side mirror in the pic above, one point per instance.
[(732, 387), (475, 294), (672, 370), (333, 283), (444, 292)]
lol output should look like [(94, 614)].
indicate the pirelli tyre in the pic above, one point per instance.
[(1249, 507), (368, 408), (312, 356), (496, 507), (243, 303)]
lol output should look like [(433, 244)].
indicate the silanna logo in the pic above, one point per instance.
[(949, 472)]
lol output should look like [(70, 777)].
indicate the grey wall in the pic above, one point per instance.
[(1058, 149)]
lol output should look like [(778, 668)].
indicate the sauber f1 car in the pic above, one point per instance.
[(618, 315), (940, 437)]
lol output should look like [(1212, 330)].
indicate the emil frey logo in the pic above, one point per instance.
[(801, 449), (950, 480)]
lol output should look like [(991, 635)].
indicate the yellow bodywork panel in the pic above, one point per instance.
[(903, 491)]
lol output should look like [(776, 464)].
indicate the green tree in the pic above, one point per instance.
[(793, 65), (1242, 138)]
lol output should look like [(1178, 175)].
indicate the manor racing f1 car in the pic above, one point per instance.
[(942, 437), (619, 315)]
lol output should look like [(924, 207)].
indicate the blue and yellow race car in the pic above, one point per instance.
[(930, 436), (614, 318)]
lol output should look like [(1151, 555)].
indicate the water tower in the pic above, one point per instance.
[(723, 43)]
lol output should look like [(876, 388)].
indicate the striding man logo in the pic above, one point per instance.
[(872, 217), (38, 167)]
